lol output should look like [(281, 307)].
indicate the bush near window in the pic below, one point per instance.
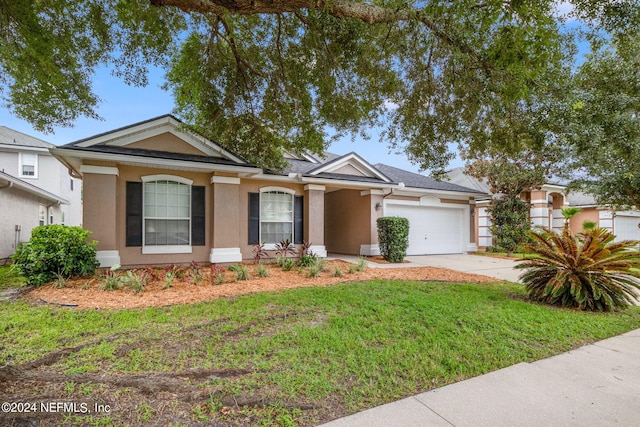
[(393, 235), (56, 249), (588, 270)]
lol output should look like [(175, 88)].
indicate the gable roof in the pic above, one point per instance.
[(13, 138), (355, 161), (416, 180), (167, 123)]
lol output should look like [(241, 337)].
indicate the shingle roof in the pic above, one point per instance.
[(9, 136), (458, 177), (578, 198), (416, 180)]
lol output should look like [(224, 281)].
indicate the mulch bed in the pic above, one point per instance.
[(88, 293)]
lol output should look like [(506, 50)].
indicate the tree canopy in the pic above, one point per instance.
[(264, 76)]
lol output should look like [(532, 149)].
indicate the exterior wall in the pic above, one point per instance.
[(132, 255), (166, 142), (100, 210), (349, 221), (586, 214), (18, 208)]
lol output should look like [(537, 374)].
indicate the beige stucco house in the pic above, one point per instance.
[(155, 194), (547, 203)]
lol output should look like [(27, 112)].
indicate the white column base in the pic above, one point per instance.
[(318, 250), (219, 255), (472, 247), (370, 250), (108, 258)]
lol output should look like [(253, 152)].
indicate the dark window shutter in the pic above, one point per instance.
[(298, 221), (254, 218), (198, 231), (134, 214)]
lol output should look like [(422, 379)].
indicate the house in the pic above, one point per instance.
[(547, 203), (35, 189), (155, 193)]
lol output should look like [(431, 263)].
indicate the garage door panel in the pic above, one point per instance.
[(626, 227), (432, 230)]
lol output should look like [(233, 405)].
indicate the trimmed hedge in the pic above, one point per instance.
[(393, 236), (56, 249)]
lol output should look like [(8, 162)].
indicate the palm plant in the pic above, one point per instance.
[(587, 271)]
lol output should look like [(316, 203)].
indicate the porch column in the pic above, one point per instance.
[(314, 218), (99, 211), (225, 216), (374, 200), (484, 238), (557, 220), (539, 209)]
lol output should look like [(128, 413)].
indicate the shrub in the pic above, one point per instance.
[(306, 260), (56, 249), (287, 264), (111, 279), (259, 252), (393, 235), (316, 267), (337, 272), (284, 248), (589, 225), (588, 271), (242, 273), (217, 274), (194, 275), (509, 223), (362, 264), (261, 271), (136, 280)]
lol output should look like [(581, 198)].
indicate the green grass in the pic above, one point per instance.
[(10, 277), (356, 345)]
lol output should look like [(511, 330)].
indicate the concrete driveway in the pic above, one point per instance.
[(499, 268)]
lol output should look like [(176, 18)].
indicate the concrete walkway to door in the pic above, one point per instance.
[(500, 268)]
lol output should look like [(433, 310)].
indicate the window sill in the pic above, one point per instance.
[(177, 249)]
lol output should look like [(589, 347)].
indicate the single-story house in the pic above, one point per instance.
[(155, 193)]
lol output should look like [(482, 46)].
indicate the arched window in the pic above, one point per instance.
[(167, 214), (276, 215)]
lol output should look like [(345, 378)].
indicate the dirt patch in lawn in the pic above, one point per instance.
[(89, 293)]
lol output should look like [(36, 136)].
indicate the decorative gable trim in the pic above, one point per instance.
[(154, 127), (353, 160)]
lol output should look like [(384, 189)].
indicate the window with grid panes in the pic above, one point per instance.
[(167, 213), (276, 217)]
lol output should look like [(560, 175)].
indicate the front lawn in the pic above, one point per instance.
[(295, 357)]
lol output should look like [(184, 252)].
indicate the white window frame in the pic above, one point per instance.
[(165, 249), (272, 245), (42, 214), (22, 163)]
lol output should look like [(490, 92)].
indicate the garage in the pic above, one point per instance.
[(432, 230), (626, 226)]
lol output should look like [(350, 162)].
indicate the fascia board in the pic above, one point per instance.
[(155, 162)]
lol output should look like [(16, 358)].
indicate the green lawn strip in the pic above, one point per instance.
[(357, 345)]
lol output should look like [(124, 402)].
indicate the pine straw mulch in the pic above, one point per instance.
[(88, 293)]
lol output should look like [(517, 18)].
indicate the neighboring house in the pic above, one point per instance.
[(156, 194), (546, 210), (624, 224), (35, 189)]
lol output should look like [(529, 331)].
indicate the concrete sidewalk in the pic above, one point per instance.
[(594, 385)]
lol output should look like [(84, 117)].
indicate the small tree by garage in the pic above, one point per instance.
[(393, 237)]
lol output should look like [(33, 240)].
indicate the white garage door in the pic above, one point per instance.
[(432, 230), (626, 227)]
